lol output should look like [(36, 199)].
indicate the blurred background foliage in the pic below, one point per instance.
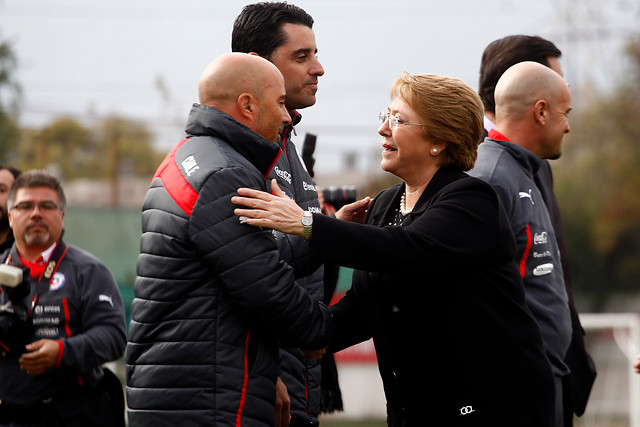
[(597, 183), (78, 150)]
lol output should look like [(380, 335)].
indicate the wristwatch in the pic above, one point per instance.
[(307, 222)]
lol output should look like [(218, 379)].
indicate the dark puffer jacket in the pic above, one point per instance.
[(212, 297)]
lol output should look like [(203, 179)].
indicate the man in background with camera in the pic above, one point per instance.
[(283, 34), (62, 317)]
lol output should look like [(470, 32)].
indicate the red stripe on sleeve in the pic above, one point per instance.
[(243, 396), (525, 255), (60, 354)]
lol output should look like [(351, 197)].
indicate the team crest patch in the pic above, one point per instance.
[(57, 281)]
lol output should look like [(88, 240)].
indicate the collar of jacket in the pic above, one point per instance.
[(286, 134), (391, 199), (13, 249), (527, 160), (208, 121)]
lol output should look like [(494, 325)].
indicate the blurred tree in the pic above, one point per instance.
[(65, 143), (68, 143), (10, 95), (127, 144), (113, 147), (598, 187)]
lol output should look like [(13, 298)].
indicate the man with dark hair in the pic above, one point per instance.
[(7, 175), (503, 53), (68, 319), (283, 34), (498, 56)]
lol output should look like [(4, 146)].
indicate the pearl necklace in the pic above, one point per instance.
[(404, 211)]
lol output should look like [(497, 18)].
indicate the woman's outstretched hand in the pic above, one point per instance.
[(354, 212), (276, 211), (279, 212)]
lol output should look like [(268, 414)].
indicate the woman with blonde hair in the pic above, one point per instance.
[(435, 283)]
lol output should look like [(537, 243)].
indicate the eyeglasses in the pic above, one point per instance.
[(394, 121), (26, 207)]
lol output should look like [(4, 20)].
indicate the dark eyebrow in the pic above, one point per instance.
[(303, 50)]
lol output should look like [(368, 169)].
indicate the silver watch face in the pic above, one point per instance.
[(307, 219)]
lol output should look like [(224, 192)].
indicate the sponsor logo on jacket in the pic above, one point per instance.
[(544, 254), (466, 410), (47, 320), (190, 165), (308, 187), (57, 281), (540, 238), (106, 298), (543, 269), (286, 175), (524, 194)]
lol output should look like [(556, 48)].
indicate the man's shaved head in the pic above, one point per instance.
[(532, 108), (250, 89), (232, 74), (522, 85)]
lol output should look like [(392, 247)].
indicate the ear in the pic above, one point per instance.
[(246, 105), (541, 112)]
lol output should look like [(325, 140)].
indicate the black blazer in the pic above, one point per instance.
[(443, 300)]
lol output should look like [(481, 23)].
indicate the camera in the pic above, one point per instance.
[(339, 196), (334, 196), (16, 324)]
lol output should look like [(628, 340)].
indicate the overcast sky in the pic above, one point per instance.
[(142, 59)]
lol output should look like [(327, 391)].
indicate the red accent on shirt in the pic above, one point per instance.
[(494, 134), (36, 268)]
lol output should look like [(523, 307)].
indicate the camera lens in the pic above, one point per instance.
[(339, 196)]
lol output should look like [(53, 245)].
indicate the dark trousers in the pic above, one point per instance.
[(81, 407)]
